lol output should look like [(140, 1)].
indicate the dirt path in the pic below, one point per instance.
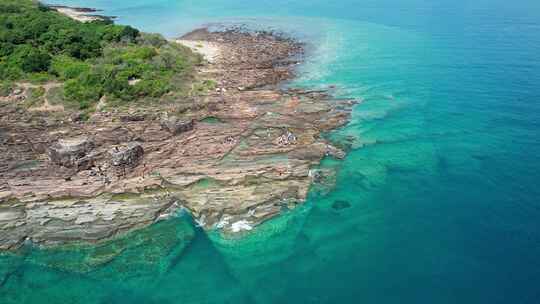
[(46, 106)]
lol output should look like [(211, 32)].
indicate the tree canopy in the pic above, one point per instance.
[(92, 58)]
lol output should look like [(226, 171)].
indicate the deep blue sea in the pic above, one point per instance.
[(443, 176)]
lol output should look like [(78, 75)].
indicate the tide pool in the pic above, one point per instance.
[(441, 179)]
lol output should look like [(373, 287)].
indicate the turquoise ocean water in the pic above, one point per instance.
[(443, 177)]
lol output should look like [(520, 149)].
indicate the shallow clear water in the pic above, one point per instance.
[(442, 177)]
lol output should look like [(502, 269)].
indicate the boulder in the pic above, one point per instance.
[(335, 152), (324, 180), (287, 138), (126, 155), (77, 117), (72, 152), (175, 126), (132, 117)]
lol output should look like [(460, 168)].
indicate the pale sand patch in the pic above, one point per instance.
[(209, 50), (76, 14), (47, 106), (101, 103)]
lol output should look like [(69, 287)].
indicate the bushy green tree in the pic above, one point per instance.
[(66, 67), (94, 58), (31, 59), (85, 90)]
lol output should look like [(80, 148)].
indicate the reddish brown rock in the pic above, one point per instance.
[(232, 172), (175, 126), (127, 155), (71, 152)]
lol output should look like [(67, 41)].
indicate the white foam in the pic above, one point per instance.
[(241, 225), (223, 222)]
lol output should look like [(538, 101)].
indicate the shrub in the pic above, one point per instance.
[(31, 59), (151, 88), (128, 33), (155, 40), (37, 92), (40, 77), (85, 90), (10, 71), (6, 88), (66, 67), (9, 8), (94, 59)]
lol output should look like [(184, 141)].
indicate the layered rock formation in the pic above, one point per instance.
[(233, 158)]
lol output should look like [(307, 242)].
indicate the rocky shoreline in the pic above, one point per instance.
[(233, 158)]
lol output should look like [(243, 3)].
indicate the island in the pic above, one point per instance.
[(105, 129)]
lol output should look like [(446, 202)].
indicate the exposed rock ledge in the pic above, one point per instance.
[(233, 158)]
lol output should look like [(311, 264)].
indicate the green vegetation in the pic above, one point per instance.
[(211, 120), (5, 88), (204, 86), (35, 97), (93, 59)]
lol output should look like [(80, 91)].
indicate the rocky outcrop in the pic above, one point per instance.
[(59, 221), (254, 59), (127, 155), (232, 172), (71, 152), (335, 152), (175, 125)]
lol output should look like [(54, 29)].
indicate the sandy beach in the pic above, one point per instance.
[(81, 14), (209, 50)]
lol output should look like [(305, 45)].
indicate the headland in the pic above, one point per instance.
[(234, 153)]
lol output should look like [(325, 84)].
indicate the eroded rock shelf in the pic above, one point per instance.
[(233, 157)]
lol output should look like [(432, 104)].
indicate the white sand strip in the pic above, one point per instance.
[(209, 50), (77, 14)]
